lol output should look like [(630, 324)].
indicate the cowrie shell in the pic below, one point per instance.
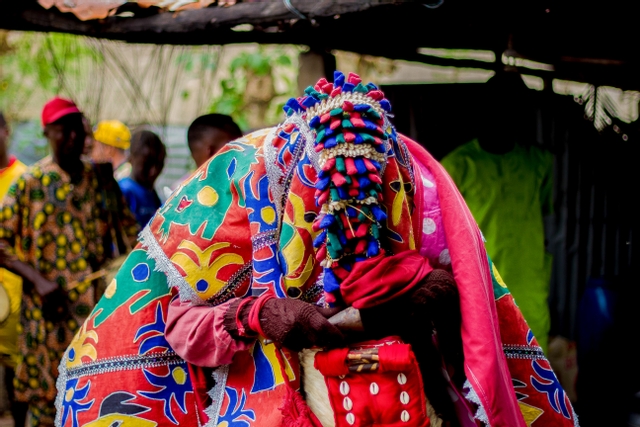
[(351, 418), (374, 388), (344, 388), (402, 379), (347, 404)]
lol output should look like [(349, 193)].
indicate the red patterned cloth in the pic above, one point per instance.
[(390, 396)]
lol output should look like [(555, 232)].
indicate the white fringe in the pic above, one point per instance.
[(472, 396), (164, 265), (61, 385), (216, 394)]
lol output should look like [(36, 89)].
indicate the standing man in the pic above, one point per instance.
[(206, 136), (112, 140), (54, 230), (147, 161), (507, 182), (10, 169)]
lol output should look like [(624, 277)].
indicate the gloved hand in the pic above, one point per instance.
[(289, 323), (434, 302), (296, 324), (436, 298)]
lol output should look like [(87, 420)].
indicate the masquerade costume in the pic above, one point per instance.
[(280, 222)]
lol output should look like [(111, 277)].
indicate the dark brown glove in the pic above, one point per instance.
[(289, 323), (436, 298), (296, 324)]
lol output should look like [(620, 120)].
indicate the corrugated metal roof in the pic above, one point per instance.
[(100, 9)]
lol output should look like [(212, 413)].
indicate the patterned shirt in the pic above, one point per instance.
[(62, 230)]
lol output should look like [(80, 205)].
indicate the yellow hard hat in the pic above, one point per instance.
[(113, 133)]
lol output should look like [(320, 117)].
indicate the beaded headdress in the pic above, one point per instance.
[(352, 136)]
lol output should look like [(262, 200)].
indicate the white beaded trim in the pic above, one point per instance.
[(351, 150), (334, 102)]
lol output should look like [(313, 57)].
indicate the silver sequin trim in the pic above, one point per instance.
[(309, 139), (274, 173), (279, 180), (333, 102), (530, 352), (407, 159), (228, 291), (264, 239), (125, 363), (216, 394), (61, 385), (164, 265)]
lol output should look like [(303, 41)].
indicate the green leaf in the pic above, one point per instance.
[(283, 60)]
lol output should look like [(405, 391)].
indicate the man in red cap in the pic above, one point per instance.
[(55, 231)]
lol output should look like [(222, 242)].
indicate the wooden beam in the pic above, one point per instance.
[(332, 24), (188, 22)]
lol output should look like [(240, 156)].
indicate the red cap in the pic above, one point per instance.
[(57, 108)]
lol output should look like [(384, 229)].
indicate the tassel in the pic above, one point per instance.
[(378, 213), (330, 281), (362, 169), (350, 136), (361, 246), (323, 183), (329, 164), (319, 240), (342, 238), (344, 195), (369, 165), (350, 166), (321, 254), (372, 248), (322, 199), (327, 221), (361, 88), (354, 78), (308, 102), (362, 230), (364, 181)]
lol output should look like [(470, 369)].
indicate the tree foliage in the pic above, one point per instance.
[(256, 87), (42, 64)]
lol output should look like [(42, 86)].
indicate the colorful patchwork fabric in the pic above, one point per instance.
[(119, 365), (246, 223)]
